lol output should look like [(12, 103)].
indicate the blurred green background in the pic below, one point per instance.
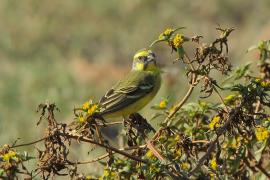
[(68, 51)]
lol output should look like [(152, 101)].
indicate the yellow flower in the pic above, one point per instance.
[(213, 163), (165, 34), (178, 153), (149, 154), (229, 99), (177, 137), (108, 173), (236, 142), (89, 177), (203, 104), (261, 133), (265, 83), (214, 123), (168, 31), (212, 176), (258, 80), (185, 166), (163, 104), (86, 106), (10, 154), (92, 110), (81, 119), (178, 40)]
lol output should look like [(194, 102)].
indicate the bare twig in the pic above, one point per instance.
[(94, 160), (221, 99), (74, 136), (30, 143)]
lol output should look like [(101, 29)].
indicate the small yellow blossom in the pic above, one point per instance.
[(89, 177), (92, 110), (165, 34), (261, 133), (203, 104), (214, 123), (81, 119), (86, 106), (212, 176), (10, 154), (213, 163), (178, 153), (185, 166), (229, 99), (178, 40), (265, 83), (236, 143), (258, 80), (262, 82), (177, 138), (108, 173), (149, 154), (168, 31), (163, 104)]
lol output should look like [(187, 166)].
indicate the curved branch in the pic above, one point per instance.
[(30, 143), (76, 137)]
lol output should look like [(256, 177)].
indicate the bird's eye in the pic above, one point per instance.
[(142, 58)]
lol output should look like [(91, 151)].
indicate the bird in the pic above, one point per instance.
[(135, 90)]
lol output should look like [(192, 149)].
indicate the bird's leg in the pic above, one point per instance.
[(131, 135), (100, 138)]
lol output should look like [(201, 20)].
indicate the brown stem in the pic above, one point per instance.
[(257, 108), (205, 156), (104, 146), (212, 144), (94, 160), (30, 143), (200, 141), (76, 137), (221, 99)]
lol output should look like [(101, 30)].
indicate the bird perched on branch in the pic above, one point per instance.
[(135, 90)]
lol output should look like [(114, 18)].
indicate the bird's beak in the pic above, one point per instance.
[(151, 57)]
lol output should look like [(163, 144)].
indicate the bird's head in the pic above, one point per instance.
[(144, 60)]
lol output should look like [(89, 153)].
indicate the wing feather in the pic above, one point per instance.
[(133, 87)]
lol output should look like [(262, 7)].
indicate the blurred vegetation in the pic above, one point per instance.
[(68, 51)]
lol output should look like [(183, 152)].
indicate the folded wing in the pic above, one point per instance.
[(126, 92)]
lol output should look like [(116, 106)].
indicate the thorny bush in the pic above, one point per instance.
[(198, 140)]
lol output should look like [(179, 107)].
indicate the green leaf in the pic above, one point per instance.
[(2, 172)]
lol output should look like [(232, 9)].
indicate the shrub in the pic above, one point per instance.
[(225, 140)]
